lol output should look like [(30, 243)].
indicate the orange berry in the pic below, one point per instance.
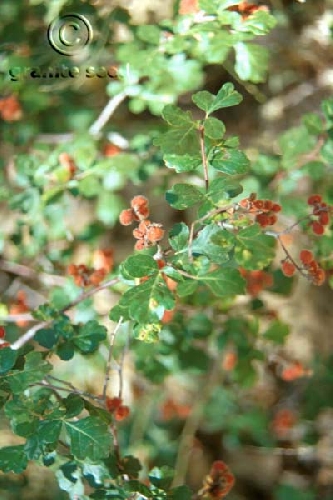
[(140, 245), (155, 233), (276, 207), (258, 204), (314, 199), (262, 219), (139, 202), (272, 219), (71, 269), (103, 259), (323, 218), (111, 150), (268, 204), (168, 316), (288, 268), (160, 263), (170, 283), (144, 225), (319, 277), (138, 234), (229, 361), (317, 228), (96, 277), (306, 256), (293, 372), (121, 413), (113, 404), (126, 217)]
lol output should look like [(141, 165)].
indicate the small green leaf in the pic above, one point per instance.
[(230, 162), (182, 196), (179, 493), (161, 477), (183, 136), (226, 97), (183, 163), (214, 128), (13, 459), (89, 337), (74, 405), (221, 190), (89, 186), (223, 282), (251, 62), (138, 266), (89, 438), (253, 249), (7, 359), (277, 332), (35, 369), (178, 236)]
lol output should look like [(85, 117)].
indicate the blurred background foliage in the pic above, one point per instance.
[(275, 435)]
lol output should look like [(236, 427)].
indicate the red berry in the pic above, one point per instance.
[(288, 268), (317, 228), (126, 217), (262, 219), (121, 413), (314, 199), (139, 202), (306, 256), (140, 245), (155, 233), (276, 207), (323, 218), (2, 332)]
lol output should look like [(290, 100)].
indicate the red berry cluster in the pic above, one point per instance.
[(256, 281), (20, 306), (219, 481), (147, 233), (85, 276), (3, 343), (265, 210), (320, 210), (293, 371), (115, 406), (309, 265)]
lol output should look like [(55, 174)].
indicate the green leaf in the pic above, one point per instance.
[(313, 123), (178, 236), (214, 128), (35, 369), (182, 196), (226, 97), (277, 332), (131, 466), (89, 337), (138, 266), (149, 33), (183, 163), (259, 23), (186, 288), (74, 405), (251, 62), (47, 337), (215, 243), (90, 186), (161, 477), (221, 190), (193, 359), (147, 302), (7, 359), (230, 162), (13, 459), (253, 249), (183, 137), (224, 282), (89, 438)]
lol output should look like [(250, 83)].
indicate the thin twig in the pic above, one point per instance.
[(85, 295), (203, 155), (108, 364), (121, 367), (107, 112)]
